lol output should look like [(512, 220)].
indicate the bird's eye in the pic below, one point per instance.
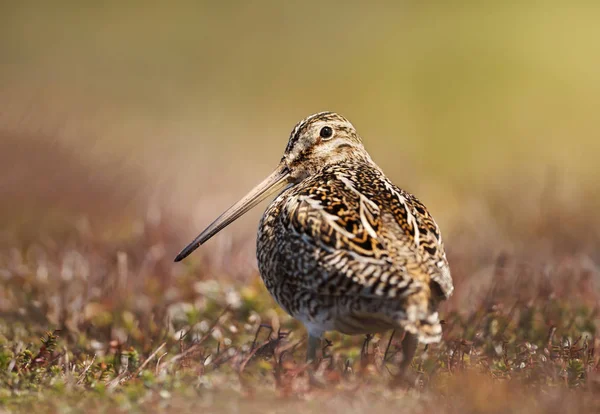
[(326, 132)]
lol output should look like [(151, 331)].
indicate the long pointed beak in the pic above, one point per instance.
[(278, 179)]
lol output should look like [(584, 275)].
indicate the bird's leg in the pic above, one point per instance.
[(405, 378), (314, 342), (409, 347), (364, 351)]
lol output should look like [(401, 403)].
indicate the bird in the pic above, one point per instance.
[(341, 248)]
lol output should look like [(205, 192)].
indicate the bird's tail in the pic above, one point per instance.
[(428, 330), (421, 318)]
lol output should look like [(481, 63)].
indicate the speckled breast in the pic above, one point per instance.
[(280, 255)]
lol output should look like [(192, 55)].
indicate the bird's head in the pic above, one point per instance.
[(316, 142), (320, 140)]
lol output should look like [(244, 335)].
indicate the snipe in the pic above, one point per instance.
[(341, 247)]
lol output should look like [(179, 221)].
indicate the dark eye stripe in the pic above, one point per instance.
[(343, 145)]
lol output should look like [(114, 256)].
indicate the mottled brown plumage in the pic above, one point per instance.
[(341, 247)]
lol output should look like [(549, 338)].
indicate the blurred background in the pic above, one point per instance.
[(127, 126), (173, 110)]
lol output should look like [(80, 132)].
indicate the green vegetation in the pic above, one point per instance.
[(91, 325)]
